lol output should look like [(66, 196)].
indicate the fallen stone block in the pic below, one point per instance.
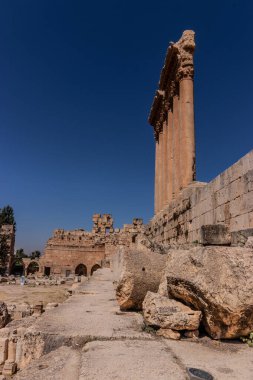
[(169, 314), (169, 334), (137, 272), (219, 282)]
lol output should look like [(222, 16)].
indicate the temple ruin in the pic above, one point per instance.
[(81, 252), (172, 117), (187, 210)]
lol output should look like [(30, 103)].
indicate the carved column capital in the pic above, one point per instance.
[(185, 50)]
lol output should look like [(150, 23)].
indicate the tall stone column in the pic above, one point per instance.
[(170, 156), (176, 145), (165, 164), (156, 174), (188, 136), (175, 165), (161, 167)]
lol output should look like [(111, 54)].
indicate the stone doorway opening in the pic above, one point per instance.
[(94, 268), (47, 271), (81, 270), (18, 268), (32, 268)]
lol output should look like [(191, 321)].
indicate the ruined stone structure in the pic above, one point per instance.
[(172, 117), (9, 233), (82, 252), (185, 210)]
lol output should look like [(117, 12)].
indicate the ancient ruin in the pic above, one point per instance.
[(81, 252), (189, 270), (7, 231), (172, 117)]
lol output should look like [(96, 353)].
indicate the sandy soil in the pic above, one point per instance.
[(17, 294)]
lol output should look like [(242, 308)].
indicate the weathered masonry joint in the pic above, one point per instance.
[(172, 117)]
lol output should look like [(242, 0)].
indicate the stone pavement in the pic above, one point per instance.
[(87, 337)]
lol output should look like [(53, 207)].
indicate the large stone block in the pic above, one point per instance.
[(136, 272), (219, 282), (215, 234), (169, 314)]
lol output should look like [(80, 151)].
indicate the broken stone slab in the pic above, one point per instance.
[(219, 282), (215, 234), (169, 334), (249, 242), (136, 272), (239, 238), (169, 314), (4, 315)]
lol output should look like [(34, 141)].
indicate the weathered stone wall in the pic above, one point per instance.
[(226, 200), (68, 252)]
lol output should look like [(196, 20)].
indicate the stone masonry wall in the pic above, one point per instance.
[(226, 200), (66, 250)]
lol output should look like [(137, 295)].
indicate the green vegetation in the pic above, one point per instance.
[(4, 250), (7, 216), (35, 255), (248, 339), (20, 254)]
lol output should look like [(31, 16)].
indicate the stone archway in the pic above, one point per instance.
[(32, 267), (81, 270), (18, 267), (94, 268)]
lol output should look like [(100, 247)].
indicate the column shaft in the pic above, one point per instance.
[(161, 170), (170, 156), (165, 164), (176, 145), (188, 136), (156, 175)]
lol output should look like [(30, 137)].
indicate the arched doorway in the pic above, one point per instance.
[(32, 268), (18, 268), (81, 270), (94, 268)]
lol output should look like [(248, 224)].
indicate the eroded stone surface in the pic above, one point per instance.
[(139, 271), (219, 282), (169, 314)]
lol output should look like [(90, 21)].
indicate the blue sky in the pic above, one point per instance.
[(77, 80)]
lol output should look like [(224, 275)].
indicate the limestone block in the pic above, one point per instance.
[(169, 314), (219, 215), (215, 234), (239, 238), (169, 334), (249, 242), (248, 181), (235, 207), (240, 222), (137, 272), (217, 281), (3, 350), (247, 202), (9, 368), (222, 196)]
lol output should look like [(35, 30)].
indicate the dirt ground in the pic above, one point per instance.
[(17, 294)]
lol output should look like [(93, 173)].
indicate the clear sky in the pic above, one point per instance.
[(77, 79)]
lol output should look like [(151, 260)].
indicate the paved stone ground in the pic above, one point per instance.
[(87, 337)]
